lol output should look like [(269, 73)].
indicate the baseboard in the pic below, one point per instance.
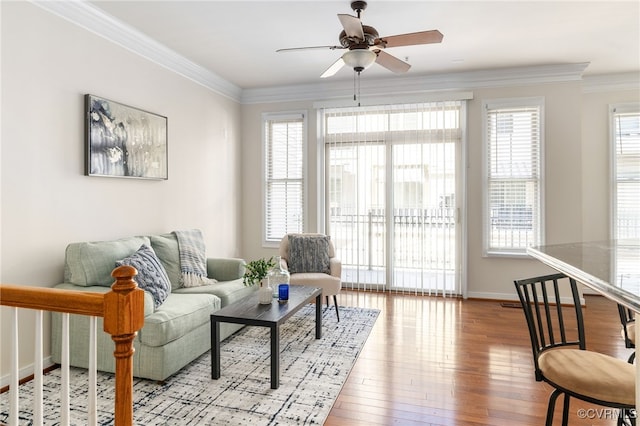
[(492, 296), (514, 297), (24, 372)]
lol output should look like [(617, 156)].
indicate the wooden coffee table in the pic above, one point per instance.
[(249, 312)]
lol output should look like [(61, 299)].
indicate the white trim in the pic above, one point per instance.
[(263, 180), (487, 104), (493, 296), (321, 174), (342, 91), (385, 139), (624, 108), (25, 371), (611, 82), (513, 296), (95, 20), (285, 115), (462, 208), (613, 208), (621, 108), (423, 97)]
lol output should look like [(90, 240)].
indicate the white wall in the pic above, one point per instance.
[(575, 125), (48, 64), (493, 277)]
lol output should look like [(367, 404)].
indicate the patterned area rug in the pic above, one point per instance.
[(312, 373)]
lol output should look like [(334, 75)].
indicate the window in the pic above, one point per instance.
[(625, 170), (284, 180), (513, 139), (393, 183)]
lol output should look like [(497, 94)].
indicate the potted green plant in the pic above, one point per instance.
[(256, 271)]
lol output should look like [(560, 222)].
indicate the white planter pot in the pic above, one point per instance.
[(265, 294)]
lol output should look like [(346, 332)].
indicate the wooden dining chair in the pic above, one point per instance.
[(560, 358), (628, 329)]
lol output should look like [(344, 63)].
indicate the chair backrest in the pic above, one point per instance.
[(552, 324), (284, 246), (626, 317)]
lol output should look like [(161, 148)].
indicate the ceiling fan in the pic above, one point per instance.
[(365, 46)]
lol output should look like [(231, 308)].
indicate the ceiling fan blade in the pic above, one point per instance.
[(390, 62), (334, 68), (410, 39), (291, 49), (352, 26)]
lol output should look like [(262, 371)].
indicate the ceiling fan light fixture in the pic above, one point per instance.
[(359, 59)]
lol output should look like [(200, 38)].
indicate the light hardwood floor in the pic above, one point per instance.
[(437, 361)]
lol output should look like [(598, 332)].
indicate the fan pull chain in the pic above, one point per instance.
[(356, 86)]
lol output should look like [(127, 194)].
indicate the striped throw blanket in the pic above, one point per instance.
[(193, 260)]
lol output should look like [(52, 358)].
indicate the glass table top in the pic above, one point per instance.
[(611, 267)]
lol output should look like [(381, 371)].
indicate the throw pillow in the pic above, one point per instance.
[(309, 253), (152, 276)]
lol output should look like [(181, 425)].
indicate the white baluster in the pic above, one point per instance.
[(93, 376), (13, 408), (38, 372), (64, 385)]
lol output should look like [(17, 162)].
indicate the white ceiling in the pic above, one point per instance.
[(237, 40)]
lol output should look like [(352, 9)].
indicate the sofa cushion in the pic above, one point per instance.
[(151, 274), (227, 291), (177, 316), (91, 263), (166, 248), (329, 284), (308, 253)]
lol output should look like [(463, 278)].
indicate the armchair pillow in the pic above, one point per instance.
[(308, 253), (152, 276)]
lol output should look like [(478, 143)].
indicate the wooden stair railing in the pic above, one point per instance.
[(122, 309)]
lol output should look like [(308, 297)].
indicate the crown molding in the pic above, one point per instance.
[(611, 82), (399, 85), (93, 19)]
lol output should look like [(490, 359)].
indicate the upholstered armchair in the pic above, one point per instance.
[(311, 260)]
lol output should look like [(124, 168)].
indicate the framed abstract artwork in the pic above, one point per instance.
[(123, 141)]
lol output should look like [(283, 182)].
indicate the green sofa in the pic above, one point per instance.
[(174, 333)]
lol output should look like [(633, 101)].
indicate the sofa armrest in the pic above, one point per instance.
[(225, 269), (149, 306)]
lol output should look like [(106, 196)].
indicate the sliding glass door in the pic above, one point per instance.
[(393, 179)]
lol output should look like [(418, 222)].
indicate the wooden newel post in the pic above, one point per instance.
[(123, 317)]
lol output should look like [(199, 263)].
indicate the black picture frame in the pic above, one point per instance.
[(124, 141)]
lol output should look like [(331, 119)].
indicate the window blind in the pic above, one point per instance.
[(392, 181), (513, 173), (284, 176), (626, 171)]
